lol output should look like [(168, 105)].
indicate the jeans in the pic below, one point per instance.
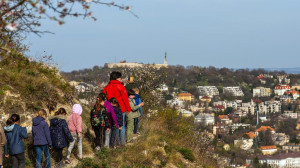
[(107, 138), (136, 125), (99, 133), (18, 160), (71, 146), (123, 135), (39, 152)]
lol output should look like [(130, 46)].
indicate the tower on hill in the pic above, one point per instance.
[(166, 62)]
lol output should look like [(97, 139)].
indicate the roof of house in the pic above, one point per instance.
[(264, 128), (251, 135), (219, 107), (184, 94), (261, 76), (279, 87), (222, 117), (292, 92), (268, 147), (205, 97)]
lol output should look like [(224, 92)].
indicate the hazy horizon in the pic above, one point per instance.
[(233, 34)]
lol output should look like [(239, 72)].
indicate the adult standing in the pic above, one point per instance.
[(131, 84), (116, 89)]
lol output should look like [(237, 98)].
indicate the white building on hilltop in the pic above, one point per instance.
[(208, 91), (124, 64), (234, 91)]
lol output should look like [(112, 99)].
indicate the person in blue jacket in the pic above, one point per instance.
[(41, 138), (14, 146), (138, 100), (59, 131)]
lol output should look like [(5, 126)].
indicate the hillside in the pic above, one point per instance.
[(26, 87)]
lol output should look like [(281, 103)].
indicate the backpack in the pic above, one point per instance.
[(99, 118)]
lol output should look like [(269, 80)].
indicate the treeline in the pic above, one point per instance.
[(188, 78)]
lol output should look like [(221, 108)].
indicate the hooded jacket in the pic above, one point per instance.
[(119, 115), (111, 114), (59, 131), (40, 132), (117, 90), (138, 100), (75, 120), (14, 135)]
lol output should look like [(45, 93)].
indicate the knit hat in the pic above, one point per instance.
[(77, 109)]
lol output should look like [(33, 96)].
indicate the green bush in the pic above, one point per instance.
[(187, 154)]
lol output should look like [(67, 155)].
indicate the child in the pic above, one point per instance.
[(2, 143), (133, 114), (41, 138), (75, 126), (116, 131), (14, 146), (100, 121), (137, 101), (59, 131)]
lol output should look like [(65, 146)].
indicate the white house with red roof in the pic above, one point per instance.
[(281, 89)]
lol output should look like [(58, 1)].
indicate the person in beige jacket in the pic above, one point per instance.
[(2, 143)]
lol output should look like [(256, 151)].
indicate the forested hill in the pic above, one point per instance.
[(187, 78)]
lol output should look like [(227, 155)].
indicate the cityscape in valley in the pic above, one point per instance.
[(249, 124)]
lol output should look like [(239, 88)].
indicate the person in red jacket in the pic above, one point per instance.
[(116, 89)]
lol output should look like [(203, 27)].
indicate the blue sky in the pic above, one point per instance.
[(221, 33)]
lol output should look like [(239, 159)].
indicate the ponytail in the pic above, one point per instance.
[(100, 98)]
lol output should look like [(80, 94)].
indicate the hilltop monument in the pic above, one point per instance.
[(124, 64)]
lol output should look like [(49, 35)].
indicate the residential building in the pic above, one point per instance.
[(283, 79), (186, 113), (185, 96), (220, 129), (261, 92), (268, 150), (208, 91), (293, 93), (236, 126), (225, 119), (282, 160), (290, 114), (176, 103), (291, 148), (280, 138), (163, 88), (234, 91), (263, 129), (280, 89), (296, 87), (244, 144), (205, 119)]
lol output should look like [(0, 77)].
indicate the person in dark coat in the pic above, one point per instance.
[(14, 146), (116, 131), (41, 138), (59, 131)]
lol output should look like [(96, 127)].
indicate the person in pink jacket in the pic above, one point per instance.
[(75, 127)]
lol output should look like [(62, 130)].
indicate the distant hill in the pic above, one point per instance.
[(286, 70)]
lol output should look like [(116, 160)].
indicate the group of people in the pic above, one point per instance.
[(115, 108)]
